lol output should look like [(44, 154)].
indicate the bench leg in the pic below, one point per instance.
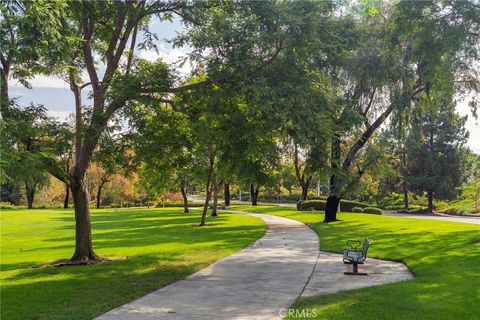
[(355, 271)]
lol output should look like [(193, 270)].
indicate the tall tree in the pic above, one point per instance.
[(390, 66), (434, 149)]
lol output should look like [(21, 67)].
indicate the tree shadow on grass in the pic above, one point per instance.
[(87, 291)]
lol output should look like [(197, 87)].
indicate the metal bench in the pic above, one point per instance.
[(356, 256)]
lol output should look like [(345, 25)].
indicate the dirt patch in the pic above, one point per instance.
[(68, 262)]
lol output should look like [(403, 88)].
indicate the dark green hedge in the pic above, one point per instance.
[(348, 205), (372, 210), (311, 205), (345, 205), (178, 205)]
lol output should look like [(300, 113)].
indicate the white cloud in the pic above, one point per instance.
[(40, 81), (60, 115), (171, 56)]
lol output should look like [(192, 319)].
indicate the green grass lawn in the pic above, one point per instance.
[(445, 257), (162, 246)]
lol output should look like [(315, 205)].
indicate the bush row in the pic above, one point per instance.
[(345, 206)]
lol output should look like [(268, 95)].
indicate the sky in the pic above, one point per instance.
[(55, 94)]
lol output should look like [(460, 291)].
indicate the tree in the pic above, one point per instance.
[(101, 34), (29, 134), (390, 66), (471, 189), (288, 178), (163, 147), (29, 41), (434, 154)]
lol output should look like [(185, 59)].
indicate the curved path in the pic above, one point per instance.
[(254, 283), (436, 216)]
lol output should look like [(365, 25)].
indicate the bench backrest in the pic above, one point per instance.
[(365, 246)]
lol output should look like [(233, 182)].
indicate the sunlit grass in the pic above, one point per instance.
[(159, 246), (443, 255)]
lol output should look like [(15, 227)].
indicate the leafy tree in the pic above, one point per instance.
[(434, 152), (288, 178), (101, 34), (30, 41), (471, 189), (388, 66), (28, 135)]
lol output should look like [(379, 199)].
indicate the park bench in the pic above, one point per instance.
[(354, 255)]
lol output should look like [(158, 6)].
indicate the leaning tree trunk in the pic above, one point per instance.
[(83, 235), (405, 194), (227, 194), (99, 193), (208, 190), (430, 201), (30, 191), (214, 204), (404, 178), (67, 196), (254, 194), (183, 190)]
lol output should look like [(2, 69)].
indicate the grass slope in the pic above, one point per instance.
[(445, 257), (162, 246)]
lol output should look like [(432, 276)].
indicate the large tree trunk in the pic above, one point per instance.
[(430, 201), (30, 191), (67, 196), (83, 235), (331, 208), (253, 194), (183, 190), (227, 194), (333, 199), (214, 204), (99, 193)]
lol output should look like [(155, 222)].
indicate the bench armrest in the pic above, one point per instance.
[(354, 244)]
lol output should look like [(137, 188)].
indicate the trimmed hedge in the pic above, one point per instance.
[(311, 205), (372, 210), (345, 206), (348, 205), (178, 205)]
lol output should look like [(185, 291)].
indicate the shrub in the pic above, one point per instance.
[(348, 205), (394, 207), (6, 205), (318, 198), (311, 205), (357, 209), (372, 210), (178, 205)]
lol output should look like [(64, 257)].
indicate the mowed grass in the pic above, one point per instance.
[(445, 257), (161, 246)]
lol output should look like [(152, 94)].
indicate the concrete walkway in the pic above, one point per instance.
[(435, 216), (259, 281), (328, 276), (254, 283)]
